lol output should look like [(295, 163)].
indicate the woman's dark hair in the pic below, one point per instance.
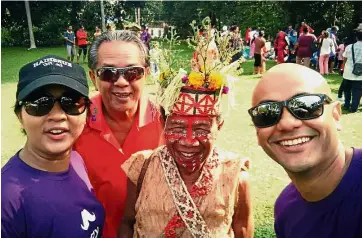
[(17, 111), (305, 29), (233, 27)]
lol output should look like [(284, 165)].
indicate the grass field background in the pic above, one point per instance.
[(238, 134)]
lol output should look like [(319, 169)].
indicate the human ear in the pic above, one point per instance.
[(337, 113), (93, 78), (147, 71)]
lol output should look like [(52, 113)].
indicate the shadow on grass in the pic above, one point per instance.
[(346, 112)]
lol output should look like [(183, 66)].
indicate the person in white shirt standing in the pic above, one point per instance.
[(351, 76), (325, 51)]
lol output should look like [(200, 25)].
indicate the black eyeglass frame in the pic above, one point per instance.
[(117, 71), (282, 104), (24, 103)]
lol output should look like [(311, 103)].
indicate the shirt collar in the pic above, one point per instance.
[(147, 113)]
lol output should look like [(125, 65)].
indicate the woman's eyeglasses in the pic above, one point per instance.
[(112, 74), (302, 107), (71, 104)]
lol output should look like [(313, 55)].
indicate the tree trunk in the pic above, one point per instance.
[(139, 16), (102, 16), (135, 16), (30, 25)]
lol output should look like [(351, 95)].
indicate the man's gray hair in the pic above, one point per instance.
[(120, 35)]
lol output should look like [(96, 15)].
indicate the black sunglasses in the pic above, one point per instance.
[(302, 107), (71, 104), (112, 74)]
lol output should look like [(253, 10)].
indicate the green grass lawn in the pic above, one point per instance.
[(238, 134)]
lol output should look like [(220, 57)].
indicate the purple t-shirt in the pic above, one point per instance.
[(337, 216), (43, 204), (305, 46)]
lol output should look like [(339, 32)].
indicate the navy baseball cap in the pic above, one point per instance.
[(51, 70)]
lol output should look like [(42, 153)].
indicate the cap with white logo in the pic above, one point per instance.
[(51, 70)]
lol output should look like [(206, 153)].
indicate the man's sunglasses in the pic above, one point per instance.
[(112, 74), (42, 105), (302, 107)]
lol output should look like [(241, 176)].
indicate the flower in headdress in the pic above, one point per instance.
[(185, 78), (225, 90), (196, 79), (164, 75), (216, 80)]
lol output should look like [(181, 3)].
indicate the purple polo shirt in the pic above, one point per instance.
[(43, 204), (337, 216)]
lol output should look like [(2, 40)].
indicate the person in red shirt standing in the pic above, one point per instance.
[(281, 44), (82, 43), (121, 120)]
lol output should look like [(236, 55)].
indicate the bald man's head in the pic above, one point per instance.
[(286, 80), (301, 133)]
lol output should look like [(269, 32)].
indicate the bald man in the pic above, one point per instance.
[(296, 124)]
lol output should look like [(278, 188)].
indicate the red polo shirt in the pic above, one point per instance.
[(82, 37), (103, 156)]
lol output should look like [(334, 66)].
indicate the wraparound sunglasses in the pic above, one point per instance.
[(112, 74), (71, 104), (302, 107)]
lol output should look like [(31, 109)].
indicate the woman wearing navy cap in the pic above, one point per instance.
[(45, 190)]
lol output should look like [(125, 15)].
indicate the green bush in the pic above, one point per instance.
[(6, 39)]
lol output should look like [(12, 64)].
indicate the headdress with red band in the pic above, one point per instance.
[(200, 92)]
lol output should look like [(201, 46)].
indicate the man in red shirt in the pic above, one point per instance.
[(121, 120), (82, 43)]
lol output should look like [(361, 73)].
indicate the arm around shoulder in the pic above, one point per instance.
[(243, 224)]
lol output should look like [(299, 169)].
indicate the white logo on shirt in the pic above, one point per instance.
[(87, 217), (95, 233)]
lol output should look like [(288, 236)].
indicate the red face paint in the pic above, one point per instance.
[(188, 139)]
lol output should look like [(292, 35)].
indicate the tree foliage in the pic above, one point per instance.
[(51, 18)]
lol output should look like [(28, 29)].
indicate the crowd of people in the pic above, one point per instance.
[(121, 165), (79, 39), (325, 53)]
